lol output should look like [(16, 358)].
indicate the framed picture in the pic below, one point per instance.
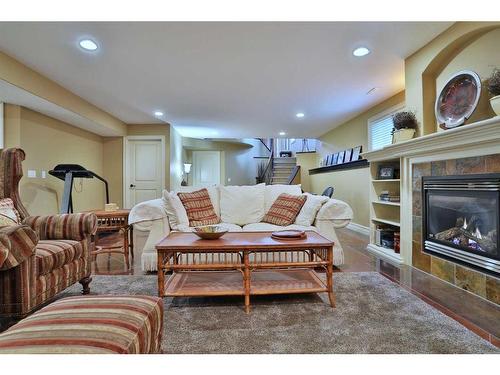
[(356, 151), (385, 172), (335, 158), (341, 157), (347, 155)]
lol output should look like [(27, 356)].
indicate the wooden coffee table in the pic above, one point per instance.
[(243, 263)]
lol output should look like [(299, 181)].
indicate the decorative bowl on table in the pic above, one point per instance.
[(210, 232)]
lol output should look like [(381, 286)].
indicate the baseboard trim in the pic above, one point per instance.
[(359, 228)]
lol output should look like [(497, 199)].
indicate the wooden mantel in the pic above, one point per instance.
[(476, 139)]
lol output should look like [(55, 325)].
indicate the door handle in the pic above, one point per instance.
[(132, 186)]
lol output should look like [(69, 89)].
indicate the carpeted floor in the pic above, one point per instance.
[(373, 315)]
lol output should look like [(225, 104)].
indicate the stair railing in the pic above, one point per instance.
[(293, 174), (268, 171)]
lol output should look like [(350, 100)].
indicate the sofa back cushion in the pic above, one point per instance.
[(272, 192), (242, 204), (199, 208), (309, 210), (177, 215), (284, 209)]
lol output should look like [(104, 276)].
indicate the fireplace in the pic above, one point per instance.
[(461, 216)]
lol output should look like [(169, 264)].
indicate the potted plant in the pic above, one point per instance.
[(405, 126), (494, 89)]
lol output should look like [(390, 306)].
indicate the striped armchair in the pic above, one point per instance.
[(42, 256)]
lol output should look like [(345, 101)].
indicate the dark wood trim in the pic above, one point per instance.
[(363, 163)]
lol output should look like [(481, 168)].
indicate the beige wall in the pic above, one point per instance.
[(48, 142), (113, 168), (177, 159), (350, 186), (306, 161)]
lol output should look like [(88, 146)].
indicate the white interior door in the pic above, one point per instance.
[(206, 168), (144, 174)]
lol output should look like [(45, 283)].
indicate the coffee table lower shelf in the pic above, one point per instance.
[(230, 283)]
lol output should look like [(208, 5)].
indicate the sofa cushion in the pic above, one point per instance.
[(53, 254), (176, 212), (227, 226), (284, 209), (213, 192), (266, 227), (242, 204), (308, 212), (272, 192), (89, 325), (199, 208)]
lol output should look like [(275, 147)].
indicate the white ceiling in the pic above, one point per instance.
[(228, 80)]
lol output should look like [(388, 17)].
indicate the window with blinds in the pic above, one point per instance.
[(380, 129)]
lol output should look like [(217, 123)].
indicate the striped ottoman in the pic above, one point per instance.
[(89, 324)]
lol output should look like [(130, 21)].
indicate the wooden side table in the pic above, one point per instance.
[(114, 221)]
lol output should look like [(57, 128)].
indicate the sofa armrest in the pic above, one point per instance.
[(17, 243), (63, 227), (337, 211), (151, 210)]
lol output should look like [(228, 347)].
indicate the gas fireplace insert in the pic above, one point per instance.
[(461, 216)]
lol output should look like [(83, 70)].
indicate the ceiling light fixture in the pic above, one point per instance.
[(88, 44), (300, 115), (282, 133), (361, 51), (158, 113)]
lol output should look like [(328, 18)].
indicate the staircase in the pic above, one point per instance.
[(282, 170)]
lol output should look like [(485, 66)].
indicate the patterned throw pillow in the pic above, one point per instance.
[(8, 213), (284, 209), (199, 208)]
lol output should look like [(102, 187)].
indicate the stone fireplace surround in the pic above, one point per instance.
[(470, 149)]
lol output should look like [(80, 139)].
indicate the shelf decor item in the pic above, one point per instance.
[(458, 99), (341, 157), (494, 89), (347, 155), (386, 172), (335, 158), (405, 126), (356, 151)]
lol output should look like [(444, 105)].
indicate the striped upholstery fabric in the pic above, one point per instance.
[(55, 254), (11, 171), (284, 209), (30, 275), (89, 325), (66, 226), (17, 244), (199, 208)]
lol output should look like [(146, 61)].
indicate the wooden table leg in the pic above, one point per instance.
[(131, 245), (246, 280), (329, 276), (161, 274), (126, 247)]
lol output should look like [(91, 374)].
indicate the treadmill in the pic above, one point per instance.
[(67, 173)]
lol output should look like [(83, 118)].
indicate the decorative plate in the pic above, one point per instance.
[(458, 99), (291, 234)]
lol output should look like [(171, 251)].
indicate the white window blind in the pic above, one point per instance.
[(380, 129)]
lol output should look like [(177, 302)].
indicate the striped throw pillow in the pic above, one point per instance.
[(284, 209), (199, 208)]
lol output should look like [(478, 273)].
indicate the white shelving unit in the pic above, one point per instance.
[(382, 212)]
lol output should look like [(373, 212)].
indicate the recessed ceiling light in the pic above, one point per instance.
[(158, 113), (361, 51), (282, 133), (88, 44), (300, 115)]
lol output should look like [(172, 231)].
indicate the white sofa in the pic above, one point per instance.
[(240, 210)]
